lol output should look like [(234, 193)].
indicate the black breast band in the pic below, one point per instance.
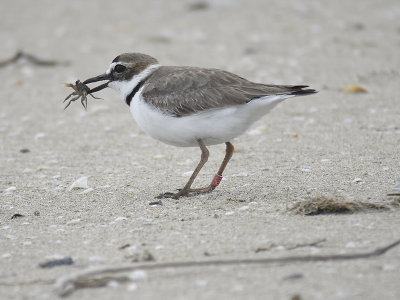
[(132, 94)]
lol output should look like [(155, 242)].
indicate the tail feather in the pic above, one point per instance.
[(299, 90)]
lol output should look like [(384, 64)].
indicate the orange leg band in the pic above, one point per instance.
[(216, 180)]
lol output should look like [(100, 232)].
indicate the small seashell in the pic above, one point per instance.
[(81, 183)]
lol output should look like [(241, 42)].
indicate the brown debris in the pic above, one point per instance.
[(333, 205), (141, 256), (354, 88), (124, 246)]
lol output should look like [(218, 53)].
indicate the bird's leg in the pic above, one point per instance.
[(186, 189), (217, 177)]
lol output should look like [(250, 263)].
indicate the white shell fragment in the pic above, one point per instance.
[(357, 180), (10, 189), (87, 191), (81, 183)]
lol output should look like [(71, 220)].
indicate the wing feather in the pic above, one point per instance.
[(182, 91)]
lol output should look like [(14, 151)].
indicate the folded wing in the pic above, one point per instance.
[(182, 91)]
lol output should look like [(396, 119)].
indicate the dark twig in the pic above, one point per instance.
[(32, 59), (100, 277)]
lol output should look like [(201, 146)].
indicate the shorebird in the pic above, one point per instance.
[(191, 107)]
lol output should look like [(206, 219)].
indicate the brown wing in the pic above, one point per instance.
[(182, 91)]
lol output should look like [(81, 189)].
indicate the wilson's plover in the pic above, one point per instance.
[(189, 106)]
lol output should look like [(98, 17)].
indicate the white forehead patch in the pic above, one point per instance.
[(111, 68)]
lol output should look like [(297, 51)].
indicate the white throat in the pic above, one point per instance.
[(124, 88)]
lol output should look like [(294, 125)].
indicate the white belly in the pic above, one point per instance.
[(212, 127)]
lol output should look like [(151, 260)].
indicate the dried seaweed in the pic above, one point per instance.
[(333, 205)]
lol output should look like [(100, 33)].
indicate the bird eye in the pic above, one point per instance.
[(119, 68)]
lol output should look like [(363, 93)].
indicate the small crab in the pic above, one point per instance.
[(81, 91)]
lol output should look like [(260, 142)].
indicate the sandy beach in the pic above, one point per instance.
[(341, 145)]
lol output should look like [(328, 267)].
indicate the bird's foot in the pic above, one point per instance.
[(186, 192)]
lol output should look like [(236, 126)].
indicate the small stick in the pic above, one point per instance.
[(102, 276), (92, 278), (31, 58)]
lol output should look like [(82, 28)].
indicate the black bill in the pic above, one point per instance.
[(96, 79)]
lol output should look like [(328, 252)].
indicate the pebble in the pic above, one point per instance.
[(201, 282), (357, 180), (39, 135), (96, 258), (138, 275), (144, 219), (254, 132), (387, 267), (57, 262), (113, 283), (74, 221), (132, 287)]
